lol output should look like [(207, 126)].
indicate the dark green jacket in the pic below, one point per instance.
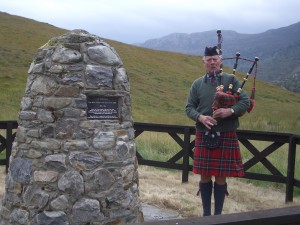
[(201, 98)]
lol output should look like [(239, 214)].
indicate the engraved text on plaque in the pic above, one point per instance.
[(102, 108)]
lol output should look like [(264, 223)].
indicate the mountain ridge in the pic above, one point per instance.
[(278, 50)]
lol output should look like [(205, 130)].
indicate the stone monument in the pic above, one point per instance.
[(74, 160)]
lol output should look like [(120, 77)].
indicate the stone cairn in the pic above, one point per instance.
[(74, 157)]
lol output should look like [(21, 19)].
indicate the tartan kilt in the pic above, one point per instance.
[(224, 161)]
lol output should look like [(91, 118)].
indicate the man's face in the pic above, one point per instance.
[(212, 63)]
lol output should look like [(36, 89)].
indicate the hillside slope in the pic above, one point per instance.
[(160, 80), (19, 40)]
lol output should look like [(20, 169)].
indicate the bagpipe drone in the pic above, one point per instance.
[(229, 98)]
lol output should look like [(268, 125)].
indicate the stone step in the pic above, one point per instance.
[(154, 213)]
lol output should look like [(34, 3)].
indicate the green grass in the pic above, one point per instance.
[(19, 40), (279, 159), (3, 155), (156, 146)]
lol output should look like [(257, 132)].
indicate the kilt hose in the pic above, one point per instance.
[(223, 161)]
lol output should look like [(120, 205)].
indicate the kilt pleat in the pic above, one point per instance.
[(225, 160)]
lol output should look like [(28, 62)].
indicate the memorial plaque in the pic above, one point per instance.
[(102, 108)]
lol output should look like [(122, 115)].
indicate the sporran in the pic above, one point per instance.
[(212, 139)]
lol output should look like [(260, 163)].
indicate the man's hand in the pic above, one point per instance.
[(207, 121), (222, 113)]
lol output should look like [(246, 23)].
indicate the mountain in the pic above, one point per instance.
[(159, 80), (278, 50)]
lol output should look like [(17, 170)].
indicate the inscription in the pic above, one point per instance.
[(102, 108)]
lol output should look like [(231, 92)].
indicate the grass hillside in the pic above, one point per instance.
[(19, 40), (160, 81)]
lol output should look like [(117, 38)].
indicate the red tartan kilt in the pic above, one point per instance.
[(224, 161)]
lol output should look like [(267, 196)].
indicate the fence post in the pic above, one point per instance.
[(9, 141), (186, 157), (290, 170)]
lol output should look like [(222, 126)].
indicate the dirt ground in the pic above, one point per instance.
[(165, 190)]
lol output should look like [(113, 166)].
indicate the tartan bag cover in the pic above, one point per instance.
[(223, 100), (224, 160)]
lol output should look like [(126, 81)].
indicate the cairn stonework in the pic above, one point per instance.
[(74, 158)]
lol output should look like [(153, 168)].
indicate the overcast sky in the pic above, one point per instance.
[(135, 21)]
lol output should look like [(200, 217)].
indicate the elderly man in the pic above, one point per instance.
[(216, 153)]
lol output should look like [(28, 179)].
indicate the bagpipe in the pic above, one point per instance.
[(229, 98)]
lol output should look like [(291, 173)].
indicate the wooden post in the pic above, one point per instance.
[(9, 141), (290, 170), (186, 149)]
